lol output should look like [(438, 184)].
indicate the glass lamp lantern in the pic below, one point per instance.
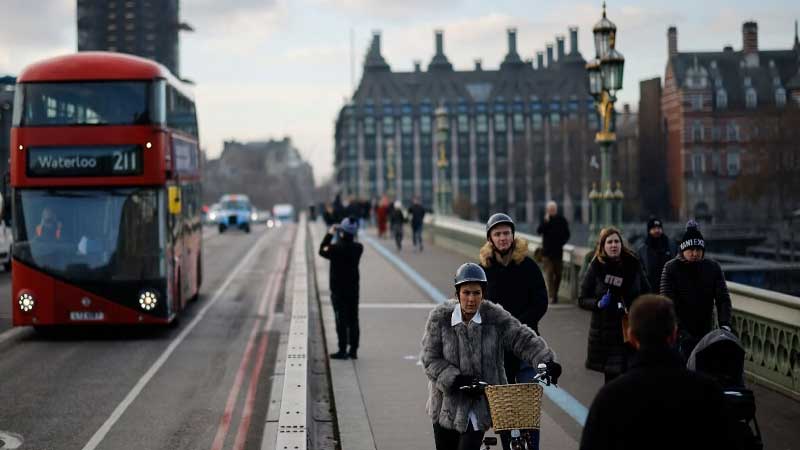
[(595, 77), (612, 67), (604, 33), (441, 123)]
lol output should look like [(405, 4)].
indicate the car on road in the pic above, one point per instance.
[(235, 211)]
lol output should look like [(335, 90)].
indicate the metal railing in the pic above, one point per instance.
[(768, 322)]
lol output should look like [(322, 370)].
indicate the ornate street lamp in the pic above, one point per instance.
[(443, 188), (390, 163), (605, 73)]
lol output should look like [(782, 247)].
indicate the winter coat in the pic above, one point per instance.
[(397, 219), (344, 255), (555, 233), (695, 288), (653, 254), (518, 287), (472, 349), (657, 405), (417, 214), (626, 281)]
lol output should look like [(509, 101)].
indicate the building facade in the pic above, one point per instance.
[(518, 136), (147, 28), (653, 192), (731, 121)]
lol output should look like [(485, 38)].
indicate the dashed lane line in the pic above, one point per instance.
[(101, 433)]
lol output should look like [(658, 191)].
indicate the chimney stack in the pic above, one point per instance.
[(549, 55), (478, 65), (560, 46), (512, 41), (417, 65), (540, 60), (750, 37), (573, 40), (439, 42), (672, 41)]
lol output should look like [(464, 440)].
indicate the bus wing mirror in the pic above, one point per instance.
[(174, 194)]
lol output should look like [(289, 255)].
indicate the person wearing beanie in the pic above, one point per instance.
[(696, 284), (655, 251), (344, 255)]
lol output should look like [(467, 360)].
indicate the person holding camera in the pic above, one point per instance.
[(609, 286), (344, 255), (464, 343)]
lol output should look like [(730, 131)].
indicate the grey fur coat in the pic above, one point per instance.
[(472, 349)]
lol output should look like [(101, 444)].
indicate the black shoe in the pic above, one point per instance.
[(339, 355), (353, 354)]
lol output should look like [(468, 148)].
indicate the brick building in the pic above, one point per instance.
[(519, 135), (731, 121)]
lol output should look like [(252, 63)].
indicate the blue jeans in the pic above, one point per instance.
[(525, 375)]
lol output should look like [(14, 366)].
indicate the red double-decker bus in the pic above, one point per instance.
[(106, 187)]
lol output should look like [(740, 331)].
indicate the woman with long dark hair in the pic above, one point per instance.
[(613, 280)]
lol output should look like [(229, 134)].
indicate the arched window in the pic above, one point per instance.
[(722, 99), (697, 131), (780, 97), (750, 98)]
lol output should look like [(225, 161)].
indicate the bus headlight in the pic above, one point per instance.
[(26, 302), (148, 300), (253, 217)]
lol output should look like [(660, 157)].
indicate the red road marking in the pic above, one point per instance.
[(244, 424), (227, 415)]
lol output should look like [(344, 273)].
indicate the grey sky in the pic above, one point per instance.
[(269, 68)]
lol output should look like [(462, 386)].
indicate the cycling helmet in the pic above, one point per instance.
[(499, 219), (469, 273), (349, 226)]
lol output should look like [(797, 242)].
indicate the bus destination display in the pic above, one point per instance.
[(94, 161)]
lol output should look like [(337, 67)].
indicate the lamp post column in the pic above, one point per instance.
[(443, 188)]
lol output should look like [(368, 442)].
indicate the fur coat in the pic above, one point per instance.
[(472, 349)]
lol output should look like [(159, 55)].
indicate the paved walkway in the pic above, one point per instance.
[(380, 398)]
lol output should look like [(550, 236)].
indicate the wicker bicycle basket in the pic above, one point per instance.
[(515, 406)]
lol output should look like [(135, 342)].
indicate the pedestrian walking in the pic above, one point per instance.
[(463, 343), (655, 251), (344, 256), (417, 214), (658, 404), (697, 285), (609, 286), (515, 282), (555, 233), (382, 216), (396, 220)]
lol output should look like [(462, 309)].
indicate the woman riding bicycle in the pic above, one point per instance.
[(465, 340)]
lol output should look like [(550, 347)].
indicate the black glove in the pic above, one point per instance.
[(463, 381), (553, 371)]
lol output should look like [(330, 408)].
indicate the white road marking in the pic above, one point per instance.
[(101, 433), (10, 441)]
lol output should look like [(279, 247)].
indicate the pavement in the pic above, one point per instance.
[(380, 398)]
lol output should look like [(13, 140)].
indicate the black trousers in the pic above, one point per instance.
[(346, 311), (447, 439)]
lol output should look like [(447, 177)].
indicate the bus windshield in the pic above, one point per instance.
[(235, 205), (83, 103), (91, 235)]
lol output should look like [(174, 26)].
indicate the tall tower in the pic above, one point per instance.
[(147, 28)]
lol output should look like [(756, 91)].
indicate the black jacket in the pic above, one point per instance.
[(555, 233), (417, 214), (656, 405), (696, 288), (653, 254), (518, 287), (344, 256), (626, 281)]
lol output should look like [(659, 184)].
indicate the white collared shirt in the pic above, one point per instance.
[(456, 319)]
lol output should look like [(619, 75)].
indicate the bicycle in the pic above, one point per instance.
[(516, 408)]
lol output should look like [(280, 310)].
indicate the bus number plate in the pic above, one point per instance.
[(86, 315)]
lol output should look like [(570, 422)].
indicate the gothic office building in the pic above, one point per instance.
[(518, 136), (147, 28)]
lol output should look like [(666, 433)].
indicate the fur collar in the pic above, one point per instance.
[(491, 313), (517, 255)]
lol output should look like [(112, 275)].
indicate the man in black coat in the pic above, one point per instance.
[(656, 250), (697, 285), (417, 215), (555, 233), (344, 255), (516, 283), (657, 404)]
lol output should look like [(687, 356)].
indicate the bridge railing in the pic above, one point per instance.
[(768, 322)]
